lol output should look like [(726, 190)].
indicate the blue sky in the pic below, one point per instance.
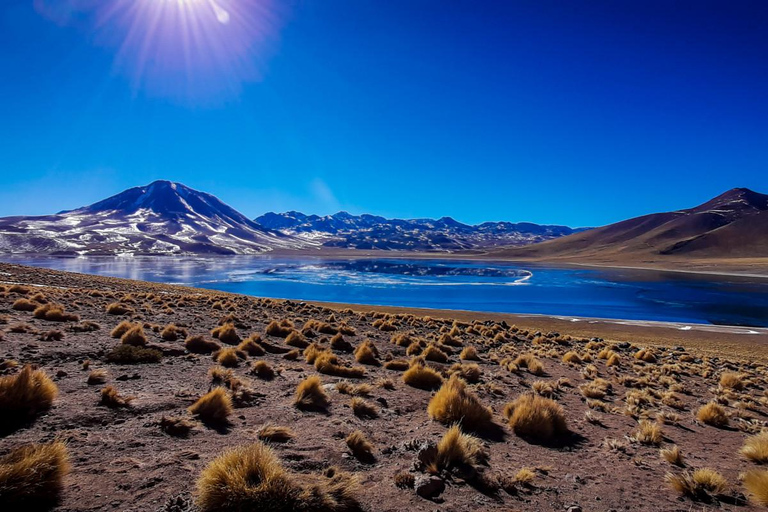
[(579, 113)]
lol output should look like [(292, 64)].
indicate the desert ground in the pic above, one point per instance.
[(133, 396)]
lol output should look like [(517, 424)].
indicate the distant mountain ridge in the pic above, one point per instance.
[(159, 218), (369, 232), (732, 225)]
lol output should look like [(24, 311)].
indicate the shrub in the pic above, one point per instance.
[(128, 354), (536, 418), (134, 336), (698, 485), (310, 394), (648, 433), (732, 380), (454, 403), (756, 484), (469, 353), (363, 409), (252, 478), (213, 407), (85, 326), (199, 345), (121, 329), (24, 395), (54, 313), (226, 334), (713, 414), (367, 353), (118, 309), (292, 355), (361, 448), (422, 377), (275, 434), (229, 357), (328, 364), (112, 399), (756, 448), (455, 448), (32, 476), (262, 370)]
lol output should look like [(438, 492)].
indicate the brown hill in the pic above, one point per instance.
[(732, 225)]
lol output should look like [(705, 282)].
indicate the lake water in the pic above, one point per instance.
[(451, 284)]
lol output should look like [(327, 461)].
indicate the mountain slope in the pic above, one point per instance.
[(344, 230), (733, 224), (160, 218)]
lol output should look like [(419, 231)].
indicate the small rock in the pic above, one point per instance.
[(61, 373), (429, 487), (574, 508), (123, 377)]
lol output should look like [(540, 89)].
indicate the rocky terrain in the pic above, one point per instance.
[(366, 232), (147, 397)]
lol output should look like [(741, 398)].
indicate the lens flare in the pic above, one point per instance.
[(198, 50)]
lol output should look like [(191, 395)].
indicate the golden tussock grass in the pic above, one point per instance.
[(252, 347), (367, 353), (755, 448), (712, 414), (672, 455), (360, 446), (470, 372), (275, 433), (529, 362), (134, 336), (252, 478), (25, 395), (469, 354), (213, 407), (454, 403), (571, 357), (363, 409), (226, 334), (310, 394), (176, 426), (279, 329), (54, 313), (295, 339), (648, 432), (405, 480), (422, 377), (339, 343), (128, 354), (756, 483), (121, 329), (432, 353), (525, 476), (170, 332), (645, 355), (118, 309), (262, 370), (197, 344), (454, 448), (112, 399), (229, 357), (33, 476), (97, 377), (346, 388), (537, 418), (731, 380), (24, 305), (398, 365), (700, 484), (328, 364)]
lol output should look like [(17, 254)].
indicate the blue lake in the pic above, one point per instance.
[(450, 284)]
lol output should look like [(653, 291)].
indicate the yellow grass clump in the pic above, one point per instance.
[(213, 407), (456, 447), (32, 476), (454, 403), (121, 329), (310, 394), (648, 432), (226, 334), (469, 353), (252, 478), (672, 455), (756, 448), (363, 409), (367, 353), (54, 313), (197, 344), (712, 414), (700, 484), (252, 347), (112, 399), (229, 357), (571, 357), (24, 395), (360, 446), (118, 309), (536, 418), (134, 336), (422, 377), (275, 433), (262, 370), (328, 364), (756, 484), (279, 329), (731, 380)]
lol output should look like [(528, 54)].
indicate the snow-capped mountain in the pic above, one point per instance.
[(373, 232), (160, 218)]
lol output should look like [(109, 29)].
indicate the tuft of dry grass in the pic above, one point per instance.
[(176, 426), (698, 485), (398, 365), (252, 478), (121, 329), (275, 433), (433, 353), (32, 476), (360, 447), (525, 476), (170, 333), (262, 370), (454, 403), (226, 334), (529, 362), (24, 305), (755, 448), (672, 455), (470, 372), (118, 309), (97, 377), (54, 313), (571, 357), (456, 448), (310, 394), (405, 480), (134, 336), (367, 353), (536, 418), (469, 353), (422, 377), (279, 329), (363, 409), (112, 399), (252, 347), (197, 344), (712, 414), (756, 484), (24, 395), (346, 388), (648, 432), (128, 354), (229, 357), (213, 407), (731, 380), (328, 364)]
